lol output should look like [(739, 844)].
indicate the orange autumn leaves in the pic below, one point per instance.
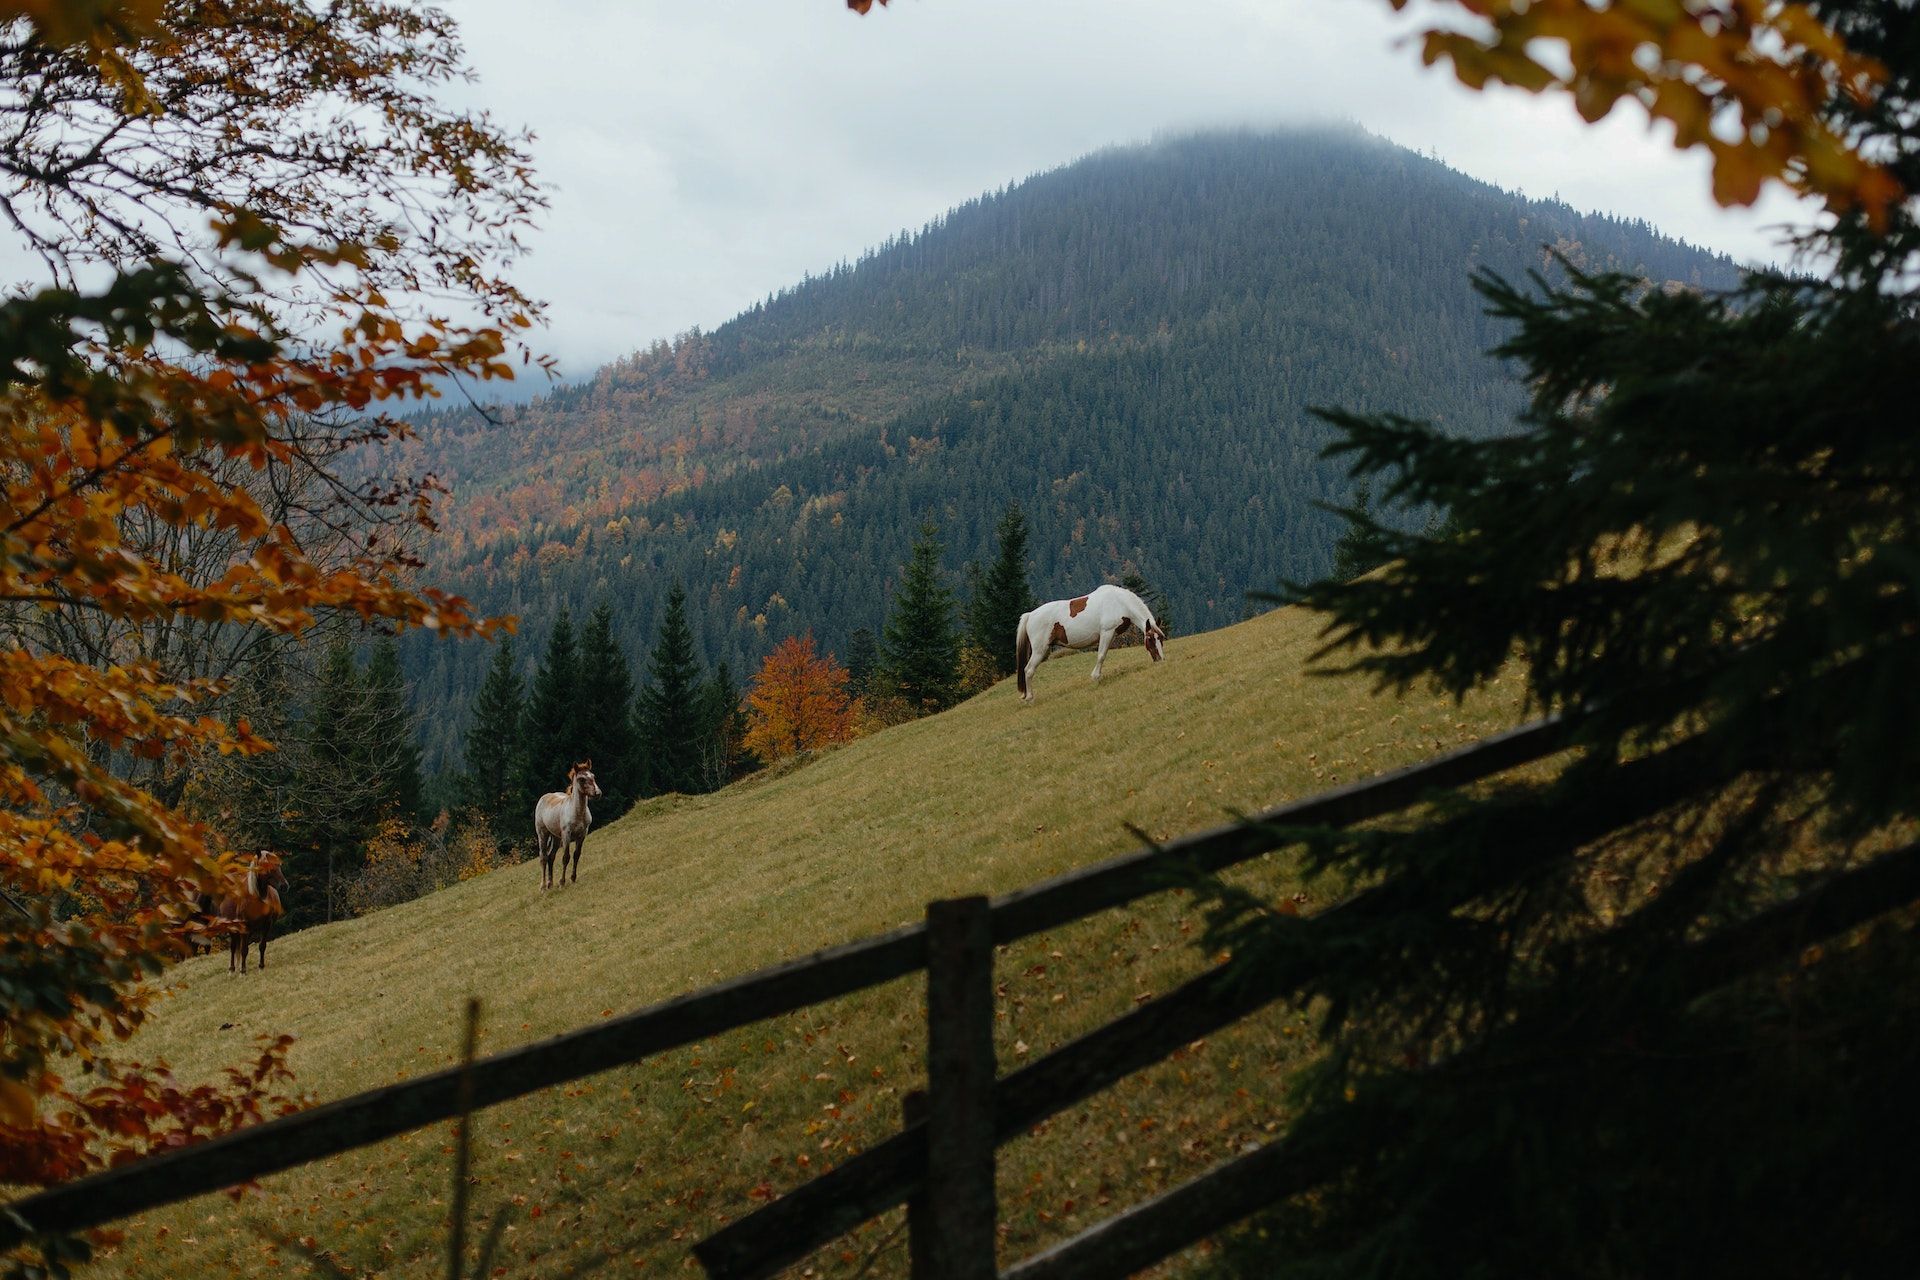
[(1756, 83), (100, 441), (138, 418), (799, 702)]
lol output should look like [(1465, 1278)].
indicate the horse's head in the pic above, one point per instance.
[(581, 775), (266, 868), (1154, 638)]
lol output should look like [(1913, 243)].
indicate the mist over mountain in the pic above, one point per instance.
[(1128, 346)]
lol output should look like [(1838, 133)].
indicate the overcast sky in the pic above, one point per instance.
[(703, 153)]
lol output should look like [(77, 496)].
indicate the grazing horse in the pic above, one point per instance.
[(560, 822), (1080, 623), (254, 909)]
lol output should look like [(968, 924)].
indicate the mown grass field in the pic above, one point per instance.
[(617, 1175)]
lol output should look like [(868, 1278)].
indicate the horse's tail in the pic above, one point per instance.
[(1022, 651)]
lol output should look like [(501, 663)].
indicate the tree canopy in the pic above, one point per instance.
[(209, 187)]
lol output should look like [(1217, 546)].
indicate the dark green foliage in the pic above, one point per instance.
[(492, 781), (394, 754), (1001, 594), (336, 801), (555, 720), (670, 719), (607, 734), (263, 799), (863, 660), (1362, 547), (1674, 1051), (1127, 347), (920, 646), (723, 730)]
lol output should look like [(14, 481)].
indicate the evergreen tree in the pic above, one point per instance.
[(1001, 594), (266, 787), (1362, 547), (607, 736), (338, 804), (863, 660), (670, 718), (555, 718), (922, 650), (492, 781), (723, 730), (1700, 548), (394, 753)]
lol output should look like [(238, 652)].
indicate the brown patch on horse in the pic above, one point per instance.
[(1075, 606), (1059, 635), (1122, 628)]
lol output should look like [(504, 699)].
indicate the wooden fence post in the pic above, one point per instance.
[(913, 1110), (961, 1215)]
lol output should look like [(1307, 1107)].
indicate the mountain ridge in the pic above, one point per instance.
[(1129, 346)]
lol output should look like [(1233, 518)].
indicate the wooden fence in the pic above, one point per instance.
[(941, 1164)]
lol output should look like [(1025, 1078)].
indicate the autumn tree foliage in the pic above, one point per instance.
[(798, 702), (249, 214)]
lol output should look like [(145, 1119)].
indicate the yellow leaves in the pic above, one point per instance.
[(1752, 81)]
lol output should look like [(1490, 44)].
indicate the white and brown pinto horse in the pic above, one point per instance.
[(251, 912), (560, 823), (1081, 623)]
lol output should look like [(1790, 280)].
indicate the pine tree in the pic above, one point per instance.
[(266, 787), (394, 751), (491, 783), (555, 720), (607, 737), (1362, 547), (1699, 545), (1001, 594), (723, 732), (337, 803), (863, 660), (669, 716), (922, 651)]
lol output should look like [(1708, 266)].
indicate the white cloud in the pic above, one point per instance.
[(701, 155)]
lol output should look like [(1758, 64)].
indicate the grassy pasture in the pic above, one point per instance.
[(618, 1174)]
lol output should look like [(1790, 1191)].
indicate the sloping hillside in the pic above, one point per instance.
[(635, 1164), (1129, 346)]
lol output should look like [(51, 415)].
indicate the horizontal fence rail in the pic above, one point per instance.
[(366, 1118), (888, 1173), (1231, 1192)]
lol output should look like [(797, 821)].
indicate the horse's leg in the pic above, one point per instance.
[(579, 851), (1106, 638), (1038, 656), (232, 958), (266, 931)]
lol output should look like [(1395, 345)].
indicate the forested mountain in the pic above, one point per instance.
[(1128, 347)]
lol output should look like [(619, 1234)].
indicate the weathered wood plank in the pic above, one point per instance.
[(1149, 1232), (881, 1177), (913, 1112), (378, 1114), (961, 1210), (369, 1117)]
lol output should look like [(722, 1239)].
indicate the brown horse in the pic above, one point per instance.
[(254, 909)]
